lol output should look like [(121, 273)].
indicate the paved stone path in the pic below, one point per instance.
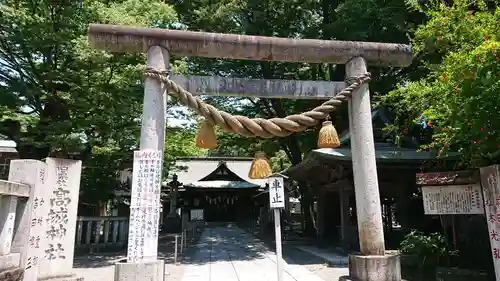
[(230, 254), (101, 267), (221, 254), (104, 270)]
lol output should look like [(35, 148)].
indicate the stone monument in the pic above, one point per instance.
[(46, 233)]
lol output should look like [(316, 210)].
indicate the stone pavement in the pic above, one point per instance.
[(231, 254), (101, 266), (329, 256), (222, 254)]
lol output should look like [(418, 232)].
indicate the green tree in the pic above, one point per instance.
[(179, 142), (60, 97), (57, 94), (458, 99)]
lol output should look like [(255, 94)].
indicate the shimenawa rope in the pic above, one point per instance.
[(257, 127)]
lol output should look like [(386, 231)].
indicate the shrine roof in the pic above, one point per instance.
[(383, 153), (222, 184), (323, 163), (7, 146), (191, 171), (8, 149)]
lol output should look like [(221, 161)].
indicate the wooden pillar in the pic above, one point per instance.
[(345, 217), (320, 216), (263, 220), (342, 214), (389, 217), (403, 201)]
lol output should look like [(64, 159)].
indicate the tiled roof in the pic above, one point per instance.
[(191, 170), (8, 149), (383, 153), (222, 184), (7, 146)]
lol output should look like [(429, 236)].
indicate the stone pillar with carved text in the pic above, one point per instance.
[(46, 233), (490, 182)]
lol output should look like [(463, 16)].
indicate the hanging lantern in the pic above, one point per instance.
[(205, 137), (260, 167), (328, 137)]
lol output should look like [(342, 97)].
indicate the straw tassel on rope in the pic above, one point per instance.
[(260, 167), (205, 137), (328, 137)]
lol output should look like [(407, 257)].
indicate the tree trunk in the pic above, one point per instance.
[(103, 208)]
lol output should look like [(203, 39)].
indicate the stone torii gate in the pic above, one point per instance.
[(373, 264)]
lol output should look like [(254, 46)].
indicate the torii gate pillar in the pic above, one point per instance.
[(373, 264)]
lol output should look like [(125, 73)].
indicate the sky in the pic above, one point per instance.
[(177, 120)]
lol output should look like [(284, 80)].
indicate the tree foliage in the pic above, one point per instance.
[(57, 93), (61, 97), (179, 142), (458, 98)]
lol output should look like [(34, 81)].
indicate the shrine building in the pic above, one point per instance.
[(329, 173), (216, 188)]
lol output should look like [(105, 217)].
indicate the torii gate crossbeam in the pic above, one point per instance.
[(245, 47)]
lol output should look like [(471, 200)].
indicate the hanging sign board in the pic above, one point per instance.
[(197, 214), (452, 199), (490, 180), (276, 192)]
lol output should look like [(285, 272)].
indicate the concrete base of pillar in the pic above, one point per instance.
[(373, 268), (172, 224), (9, 261), (145, 271)]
